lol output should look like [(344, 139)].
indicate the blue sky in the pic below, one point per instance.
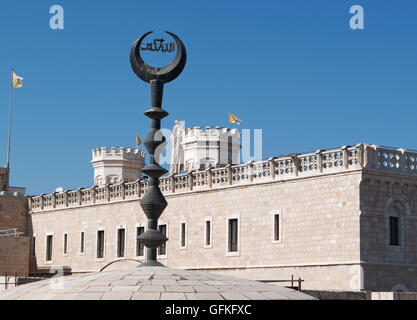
[(292, 68)]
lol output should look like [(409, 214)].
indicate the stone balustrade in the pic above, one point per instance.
[(289, 167)]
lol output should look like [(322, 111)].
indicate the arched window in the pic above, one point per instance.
[(99, 180), (395, 218)]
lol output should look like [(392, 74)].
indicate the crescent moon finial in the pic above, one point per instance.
[(164, 74)]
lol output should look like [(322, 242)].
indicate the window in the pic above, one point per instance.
[(276, 227), (393, 231), (49, 248), (33, 246), (163, 247), (229, 150), (183, 231), (120, 243), (65, 243), (139, 245), (233, 235), (208, 233), (100, 244), (82, 242)]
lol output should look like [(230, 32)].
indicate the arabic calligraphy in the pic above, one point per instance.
[(158, 45)]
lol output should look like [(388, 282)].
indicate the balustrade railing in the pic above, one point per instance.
[(282, 168)]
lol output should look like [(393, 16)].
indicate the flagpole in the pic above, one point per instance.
[(10, 128)]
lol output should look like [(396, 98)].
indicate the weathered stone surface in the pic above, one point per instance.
[(48, 290), (14, 255)]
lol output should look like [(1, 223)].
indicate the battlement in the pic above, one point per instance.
[(211, 133), (115, 165), (120, 153), (210, 146)]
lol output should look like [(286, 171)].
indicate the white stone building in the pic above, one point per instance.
[(213, 147), (115, 166), (341, 219)]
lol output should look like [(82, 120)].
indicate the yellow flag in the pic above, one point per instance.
[(138, 141), (234, 119), (17, 81)]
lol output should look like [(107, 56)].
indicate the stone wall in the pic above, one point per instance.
[(384, 194), (319, 238), (3, 179), (14, 255), (14, 213)]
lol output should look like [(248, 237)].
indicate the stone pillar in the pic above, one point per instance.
[(229, 173), (53, 199), (41, 200), (139, 186), (108, 191), (272, 167), (345, 156), (250, 170), (402, 161), (319, 154), (209, 177), (79, 196), (295, 163), (190, 179), (93, 194), (66, 198), (172, 181), (367, 155), (123, 187)]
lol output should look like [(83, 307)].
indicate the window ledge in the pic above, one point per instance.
[(232, 254)]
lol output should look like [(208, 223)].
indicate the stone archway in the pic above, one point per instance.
[(399, 287)]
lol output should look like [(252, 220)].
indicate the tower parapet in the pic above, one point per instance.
[(117, 164), (210, 147)]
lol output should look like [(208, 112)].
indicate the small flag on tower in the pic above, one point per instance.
[(138, 141), (17, 81), (234, 119)]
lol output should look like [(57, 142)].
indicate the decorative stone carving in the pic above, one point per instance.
[(283, 168)]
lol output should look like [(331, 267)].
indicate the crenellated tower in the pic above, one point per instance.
[(117, 165), (210, 147)]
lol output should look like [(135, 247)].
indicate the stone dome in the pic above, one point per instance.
[(150, 283)]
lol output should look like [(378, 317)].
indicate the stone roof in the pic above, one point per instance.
[(150, 283)]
